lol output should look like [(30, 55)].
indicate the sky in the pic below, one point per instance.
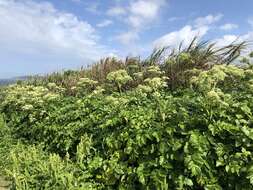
[(42, 36)]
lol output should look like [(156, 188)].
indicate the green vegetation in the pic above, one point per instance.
[(182, 119)]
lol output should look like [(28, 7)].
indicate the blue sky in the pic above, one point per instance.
[(41, 36)]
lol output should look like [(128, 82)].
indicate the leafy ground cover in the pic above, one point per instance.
[(183, 121)]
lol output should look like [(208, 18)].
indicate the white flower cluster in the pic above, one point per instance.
[(50, 96), (208, 80), (116, 100), (251, 85), (144, 89), (156, 83), (121, 77), (84, 85), (53, 87), (154, 71), (184, 57), (98, 90), (217, 97), (86, 82), (26, 97), (138, 75), (27, 107)]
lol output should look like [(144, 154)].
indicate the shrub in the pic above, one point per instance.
[(145, 136)]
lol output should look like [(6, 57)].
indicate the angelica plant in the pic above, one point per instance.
[(119, 78)]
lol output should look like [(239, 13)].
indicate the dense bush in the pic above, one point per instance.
[(150, 136)]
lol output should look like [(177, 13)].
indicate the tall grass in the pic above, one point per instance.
[(175, 63)]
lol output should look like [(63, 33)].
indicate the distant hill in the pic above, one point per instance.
[(6, 81), (12, 80)]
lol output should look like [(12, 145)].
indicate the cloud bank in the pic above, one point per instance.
[(137, 15), (38, 31), (185, 35)]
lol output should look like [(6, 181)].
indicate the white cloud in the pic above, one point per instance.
[(146, 9), (41, 25), (38, 30), (230, 38), (207, 20), (92, 7), (127, 37), (138, 14), (185, 35), (228, 26), (116, 11), (140, 9), (143, 12), (248, 37), (226, 40), (135, 21), (172, 19), (104, 23)]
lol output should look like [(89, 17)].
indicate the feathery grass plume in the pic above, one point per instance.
[(174, 63), (198, 54)]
